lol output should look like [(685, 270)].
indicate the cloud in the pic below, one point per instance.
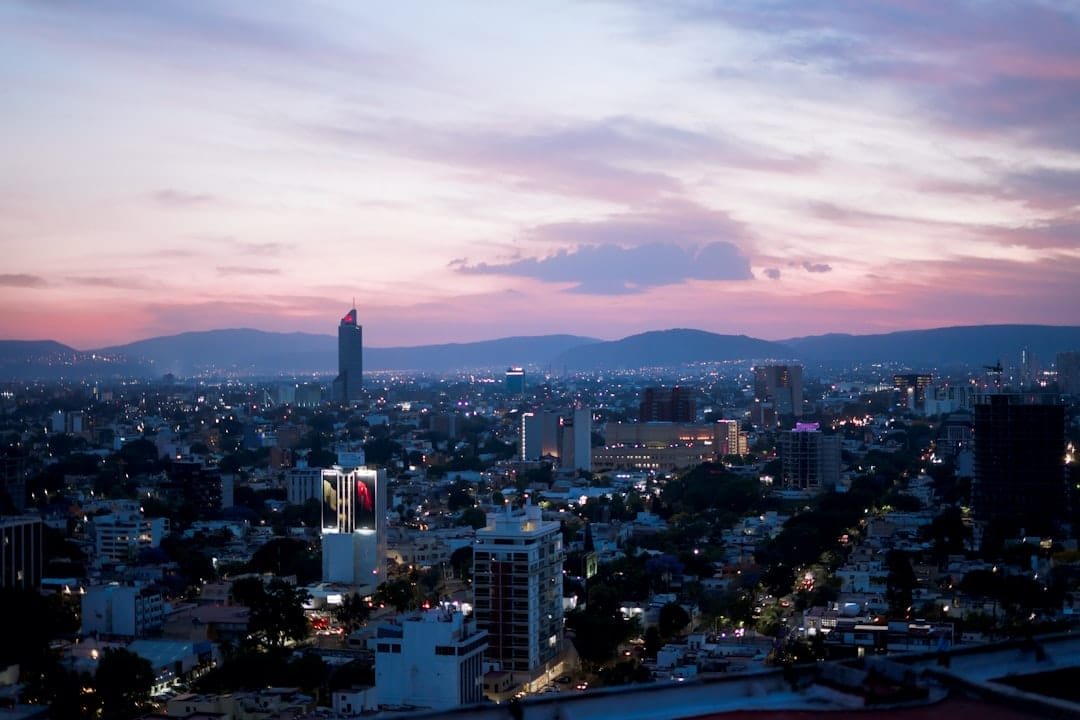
[(615, 270), (21, 280), (107, 282), (772, 273), (243, 270), (178, 198), (816, 267)]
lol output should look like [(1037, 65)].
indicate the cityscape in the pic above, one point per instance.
[(658, 361)]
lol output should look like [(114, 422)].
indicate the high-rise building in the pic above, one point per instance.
[(530, 436), (430, 659), (781, 385), (913, 388), (575, 447), (1019, 478), (21, 552), (809, 459), (1068, 372), (350, 378), (517, 582), (515, 381), (667, 405), (120, 537), (354, 526)]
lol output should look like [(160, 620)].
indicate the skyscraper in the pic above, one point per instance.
[(781, 385), (349, 380), (1019, 478), (354, 526)]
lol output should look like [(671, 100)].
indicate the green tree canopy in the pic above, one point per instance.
[(123, 681)]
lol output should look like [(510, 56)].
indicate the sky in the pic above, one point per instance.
[(473, 170)]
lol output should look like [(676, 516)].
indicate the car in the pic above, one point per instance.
[(563, 679)]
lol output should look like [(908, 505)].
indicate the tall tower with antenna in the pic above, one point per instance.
[(349, 383)]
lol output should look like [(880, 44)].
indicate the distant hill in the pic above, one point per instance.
[(670, 348), (246, 352), (254, 352), (973, 345)]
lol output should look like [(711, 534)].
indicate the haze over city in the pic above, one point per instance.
[(475, 170)]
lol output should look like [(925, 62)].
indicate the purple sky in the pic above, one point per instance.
[(472, 170)]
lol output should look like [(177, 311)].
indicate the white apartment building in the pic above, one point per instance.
[(303, 484), (127, 610), (120, 536), (518, 587), (431, 659)]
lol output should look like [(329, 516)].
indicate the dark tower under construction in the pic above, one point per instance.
[(349, 381)]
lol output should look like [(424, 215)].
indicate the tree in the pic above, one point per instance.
[(400, 594), (461, 560), (473, 517), (276, 611), (673, 618), (352, 612), (900, 582), (123, 681)]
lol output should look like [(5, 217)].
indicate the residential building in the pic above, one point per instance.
[(119, 537), (674, 404), (517, 581), (809, 459), (126, 610)]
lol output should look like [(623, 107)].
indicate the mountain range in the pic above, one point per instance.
[(255, 353)]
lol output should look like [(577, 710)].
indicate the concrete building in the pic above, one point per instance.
[(517, 581), (515, 381), (126, 610), (119, 537), (1068, 372), (21, 554), (430, 659), (809, 459), (912, 390)]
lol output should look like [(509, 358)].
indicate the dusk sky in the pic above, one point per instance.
[(472, 170)]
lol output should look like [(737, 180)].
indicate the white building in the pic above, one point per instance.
[(120, 536), (354, 527), (127, 610), (304, 483), (431, 659), (517, 581)]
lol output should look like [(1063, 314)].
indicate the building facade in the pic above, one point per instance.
[(124, 610), (21, 553), (119, 537), (518, 582), (676, 404)]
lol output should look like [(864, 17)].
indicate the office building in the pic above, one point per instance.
[(430, 659), (1019, 448), (348, 384), (781, 385), (517, 581), (912, 389), (575, 447), (200, 488), (809, 459), (675, 404), (515, 381), (21, 553), (732, 440), (354, 526)]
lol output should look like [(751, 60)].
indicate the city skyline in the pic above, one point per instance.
[(479, 170)]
